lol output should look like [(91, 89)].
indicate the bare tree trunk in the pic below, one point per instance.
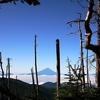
[(81, 56), (58, 65), (87, 67), (34, 91), (8, 68), (37, 86), (98, 54), (2, 73), (1, 66)]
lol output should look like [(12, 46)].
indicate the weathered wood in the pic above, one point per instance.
[(8, 70), (88, 45), (34, 90), (87, 67), (81, 56), (97, 57), (58, 64), (37, 86), (2, 71)]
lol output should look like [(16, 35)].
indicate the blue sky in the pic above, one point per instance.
[(19, 23)]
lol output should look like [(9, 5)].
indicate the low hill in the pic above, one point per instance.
[(25, 90), (49, 85)]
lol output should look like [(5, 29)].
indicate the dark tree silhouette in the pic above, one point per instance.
[(30, 2), (88, 45)]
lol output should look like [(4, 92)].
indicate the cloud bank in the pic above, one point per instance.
[(45, 78)]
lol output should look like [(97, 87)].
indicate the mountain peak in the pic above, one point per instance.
[(46, 71)]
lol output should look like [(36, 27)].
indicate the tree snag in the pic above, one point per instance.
[(88, 45)]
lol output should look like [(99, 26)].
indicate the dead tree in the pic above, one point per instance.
[(34, 90), (4, 89), (88, 45), (81, 47), (58, 64), (37, 86), (74, 76), (87, 67), (81, 54), (8, 70), (2, 71)]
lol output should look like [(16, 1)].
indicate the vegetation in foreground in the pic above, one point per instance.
[(25, 91)]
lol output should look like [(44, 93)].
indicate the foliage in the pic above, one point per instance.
[(72, 90), (65, 93), (30, 2), (74, 75)]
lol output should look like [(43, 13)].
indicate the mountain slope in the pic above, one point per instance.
[(46, 71), (25, 90)]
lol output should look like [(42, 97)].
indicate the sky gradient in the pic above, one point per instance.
[(19, 23)]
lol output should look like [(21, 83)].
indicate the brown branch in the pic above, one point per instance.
[(87, 44)]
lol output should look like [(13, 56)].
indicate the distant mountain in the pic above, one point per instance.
[(46, 71)]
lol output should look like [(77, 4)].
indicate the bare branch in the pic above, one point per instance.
[(75, 32), (87, 26), (80, 3), (75, 21)]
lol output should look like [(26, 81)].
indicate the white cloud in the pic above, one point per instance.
[(45, 78), (41, 78), (92, 79)]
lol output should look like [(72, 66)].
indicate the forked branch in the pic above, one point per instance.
[(87, 44)]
